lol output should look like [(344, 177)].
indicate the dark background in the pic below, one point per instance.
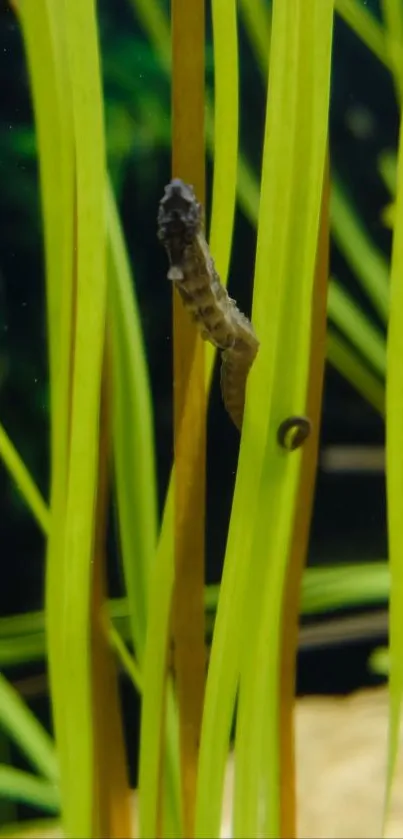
[(349, 522)]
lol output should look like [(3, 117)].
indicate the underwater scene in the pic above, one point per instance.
[(201, 418)]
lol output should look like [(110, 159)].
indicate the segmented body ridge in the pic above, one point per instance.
[(204, 296), (216, 314)]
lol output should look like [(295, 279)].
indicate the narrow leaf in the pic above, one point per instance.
[(394, 477), (26, 731), (20, 786)]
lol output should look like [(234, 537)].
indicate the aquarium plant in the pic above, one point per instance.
[(101, 438)]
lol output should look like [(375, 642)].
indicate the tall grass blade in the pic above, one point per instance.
[(362, 334), (302, 522), (90, 306), (44, 828), (368, 263), (43, 27), (226, 82), (26, 788), (8, 809), (393, 17), (43, 33), (292, 178), (188, 163), (112, 804), (256, 14), (135, 479), (152, 733), (19, 722), (387, 166), (363, 23), (352, 368), (337, 586), (22, 650), (394, 476), (23, 480)]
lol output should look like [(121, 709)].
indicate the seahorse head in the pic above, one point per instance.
[(179, 214)]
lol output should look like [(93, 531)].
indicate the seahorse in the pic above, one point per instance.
[(192, 270)]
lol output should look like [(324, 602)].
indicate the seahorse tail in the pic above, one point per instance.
[(235, 366)]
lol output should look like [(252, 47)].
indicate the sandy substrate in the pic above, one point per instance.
[(341, 754)]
